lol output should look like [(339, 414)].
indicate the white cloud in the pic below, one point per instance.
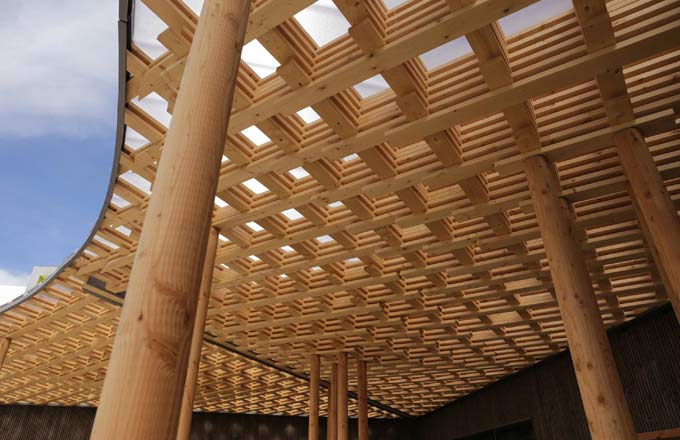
[(10, 278), (59, 70)]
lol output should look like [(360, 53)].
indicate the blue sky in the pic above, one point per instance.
[(58, 84)]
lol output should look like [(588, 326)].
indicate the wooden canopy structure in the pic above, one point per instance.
[(464, 223)]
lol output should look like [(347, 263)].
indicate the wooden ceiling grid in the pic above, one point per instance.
[(412, 242)]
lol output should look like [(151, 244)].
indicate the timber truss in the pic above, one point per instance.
[(397, 228)]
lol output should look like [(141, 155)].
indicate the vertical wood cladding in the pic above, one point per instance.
[(647, 353)]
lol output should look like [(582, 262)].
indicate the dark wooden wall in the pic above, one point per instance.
[(72, 423), (647, 354)]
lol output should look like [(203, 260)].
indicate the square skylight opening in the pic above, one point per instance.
[(255, 186), (156, 106), (137, 181), (315, 268), (254, 258), (255, 135), (224, 266), (298, 173), (259, 59), (220, 203), (119, 202), (194, 5), (286, 249), (324, 239), (371, 86), (446, 53), (533, 15), (323, 22), (254, 226), (124, 230), (106, 242), (308, 115), (391, 4), (146, 26), (292, 214), (223, 238), (283, 275), (352, 260), (350, 157), (133, 139), (336, 204)]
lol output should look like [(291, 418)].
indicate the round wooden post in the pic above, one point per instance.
[(314, 379), (332, 420), (142, 393), (362, 384), (599, 384), (656, 208), (343, 431), (4, 348), (187, 410)]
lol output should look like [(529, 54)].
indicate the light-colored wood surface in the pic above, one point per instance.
[(187, 409), (142, 393), (4, 348), (435, 272), (314, 384), (601, 391), (362, 386), (332, 420), (343, 421), (655, 205)]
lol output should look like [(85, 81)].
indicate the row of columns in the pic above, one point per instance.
[(337, 424), (148, 391)]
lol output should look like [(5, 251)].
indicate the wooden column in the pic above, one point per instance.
[(142, 393), (314, 380), (332, 420), (187, 410), (601, 391), (362, 384), (343, 430), (656, 208), (4, 348)]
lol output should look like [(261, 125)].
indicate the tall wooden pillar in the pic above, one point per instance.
[(197, 338), (314, 380), (4, 348), (142, 393), (599, 384), (362, 385), (343, 430), (654, 206), (332, 420)]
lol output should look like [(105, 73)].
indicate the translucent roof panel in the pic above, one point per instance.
[(533, 15), (145, 30), (323, 22), (371, 86), (259, 59), (445, 53)]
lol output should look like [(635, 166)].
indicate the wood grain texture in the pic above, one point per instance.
[(187, 410), (314, 379), (142, 393), (605, 404)]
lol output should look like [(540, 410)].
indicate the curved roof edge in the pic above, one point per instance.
[(125, 17)]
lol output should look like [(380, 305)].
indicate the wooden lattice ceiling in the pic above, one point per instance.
[(416, 246)]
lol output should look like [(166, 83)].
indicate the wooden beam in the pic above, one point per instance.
[(332, 419), (362, 383), (601, 391), (655, 206), (142, 393), (4, 348), (314, 379), (187, 410), (342, 423)]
